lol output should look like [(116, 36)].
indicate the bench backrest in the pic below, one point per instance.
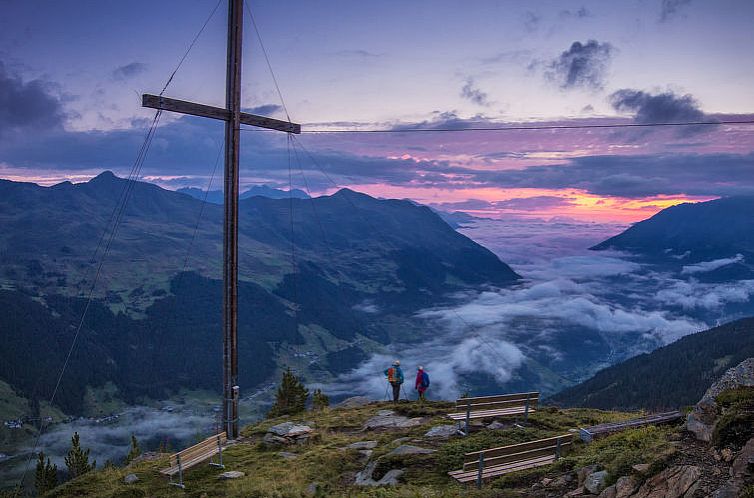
[(209, 445), (556, 445), (500, 401)]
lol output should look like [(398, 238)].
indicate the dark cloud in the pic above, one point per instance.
[(532, 21), (362, 54), (534, 203), (265, 109), (128, 71), (471, 204), (638, 176), (447, 120), (27, 106), (583, 65), (581, 13), (474, 94), (660, 108), (671, 8)]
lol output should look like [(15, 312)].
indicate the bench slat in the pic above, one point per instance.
[(194, 454), (498, 397), (517, 448), (490, 413), (494, 460), (499, 470), (496, 404)]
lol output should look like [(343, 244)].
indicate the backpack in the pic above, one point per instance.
[(391, 375), (425, 379)]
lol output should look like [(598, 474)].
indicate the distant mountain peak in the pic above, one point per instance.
[(105, 176)]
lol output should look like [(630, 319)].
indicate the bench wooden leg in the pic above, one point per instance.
[(480, 471), (180, 474), (220, 452), (468, 416)]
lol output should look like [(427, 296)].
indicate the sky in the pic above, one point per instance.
[(71, 76)]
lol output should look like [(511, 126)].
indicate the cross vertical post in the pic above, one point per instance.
[(230, 236), (233, 118)]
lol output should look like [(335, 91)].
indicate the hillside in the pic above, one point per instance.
[(153, 329), (670, 377), (216, 196), (691, 233), (348, 451)]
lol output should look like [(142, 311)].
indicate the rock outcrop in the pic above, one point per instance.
[(701, 420), (674, 482), (288, 433)]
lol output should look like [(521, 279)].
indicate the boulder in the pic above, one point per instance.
[(595, 482), (364, 478), (743, 465), (494, 425), (354, 402), (584, 472), (701, 420), (640, 468), (312, 489), (290, 430), (362, 445), (231, 474), (609, 492), (624, 486), (673, 482), (388, 418), (441, 431), (287, 455), (287, 433), (407, 449), (130, 479)]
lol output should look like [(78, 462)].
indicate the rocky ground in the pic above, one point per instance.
[(388, 450)]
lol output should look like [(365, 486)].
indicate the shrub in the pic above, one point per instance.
[(47, 475), (320, 400), (77, 459), (291, 396)]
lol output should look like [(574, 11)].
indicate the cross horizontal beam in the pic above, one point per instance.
[(208, 111)]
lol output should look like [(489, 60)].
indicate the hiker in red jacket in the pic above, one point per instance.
[(422, 382)]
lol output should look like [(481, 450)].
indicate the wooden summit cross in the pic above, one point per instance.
[(233, 118)]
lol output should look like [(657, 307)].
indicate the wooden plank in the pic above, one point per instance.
[(493, 460), (498, 470), (517, 448), (497, 397), (498, 404), (657, 418), (502, 412), (208, 111)]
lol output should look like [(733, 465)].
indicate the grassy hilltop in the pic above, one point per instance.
[(326, 461)]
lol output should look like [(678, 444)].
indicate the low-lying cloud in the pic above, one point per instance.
[(706, 266)]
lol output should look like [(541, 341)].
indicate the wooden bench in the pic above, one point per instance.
[(494, 406), (494, 462), (589, 433), (194, 455)]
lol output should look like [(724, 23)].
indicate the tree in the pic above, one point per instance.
[(77, 460), (47, 474), (291, 396), (135, 450), (320, 400)]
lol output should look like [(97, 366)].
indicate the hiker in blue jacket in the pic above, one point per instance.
[(394, 376), (422, 382)]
